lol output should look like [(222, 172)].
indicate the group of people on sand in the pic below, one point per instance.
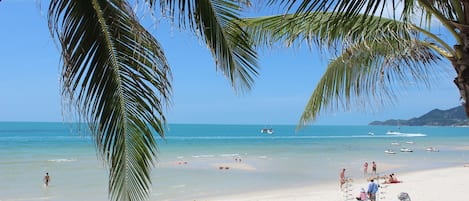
[(392, 179), (370, 193)]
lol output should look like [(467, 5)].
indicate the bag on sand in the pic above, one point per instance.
[(403, 196)]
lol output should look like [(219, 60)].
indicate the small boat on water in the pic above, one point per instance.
[(432, 149), (371, 133), (389, 151), (394, 133), (409, 142), (395, 143), (267, 131), (406, 150)]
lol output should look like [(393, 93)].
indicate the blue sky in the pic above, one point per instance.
[(30, 69)]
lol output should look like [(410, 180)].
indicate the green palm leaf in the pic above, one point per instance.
[(367, 74), (215, 21), (326, 31), (363, 8), (117, 75), (372, 58)]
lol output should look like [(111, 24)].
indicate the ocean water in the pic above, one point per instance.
[(191, 155)]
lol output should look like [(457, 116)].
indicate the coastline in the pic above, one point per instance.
[(203, 162), (429, 185)]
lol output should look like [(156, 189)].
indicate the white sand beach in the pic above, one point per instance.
[(427, 185)]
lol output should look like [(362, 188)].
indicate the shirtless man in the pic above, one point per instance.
[(342, 177), (46, 179)]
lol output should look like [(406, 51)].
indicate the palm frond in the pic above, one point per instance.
[(117, 76), (452, 10), (215, 22), (324, 31), (364, 8), (368, 74)]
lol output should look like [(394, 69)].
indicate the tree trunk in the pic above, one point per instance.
[(462, 69)]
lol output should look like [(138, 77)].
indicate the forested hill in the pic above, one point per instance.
[(451, 117)]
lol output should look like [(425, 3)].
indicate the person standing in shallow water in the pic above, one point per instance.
[(373, 168), (46, 179), (342, 177), (365, 169)]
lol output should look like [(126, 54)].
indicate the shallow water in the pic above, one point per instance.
[(285, 159)]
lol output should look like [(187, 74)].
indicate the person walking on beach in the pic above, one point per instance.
[(372, 190), (365, 169), (342, 177), (46, 179), (373, 168)]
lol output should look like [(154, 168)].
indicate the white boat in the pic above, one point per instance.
[(406, 150), (409, 142), (395, 143), (267, 130), (398, 133), (432, 149), (389, 151), (371, 133), (394, 133)]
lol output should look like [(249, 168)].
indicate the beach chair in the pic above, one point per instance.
[(403, 196)]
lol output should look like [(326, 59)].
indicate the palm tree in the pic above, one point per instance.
[(116, 77), (373, 54)]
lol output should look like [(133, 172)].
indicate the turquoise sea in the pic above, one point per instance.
[(285, 159)]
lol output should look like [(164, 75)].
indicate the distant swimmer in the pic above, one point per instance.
[(46, 179)]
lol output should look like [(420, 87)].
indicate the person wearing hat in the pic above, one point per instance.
[(362, 195)]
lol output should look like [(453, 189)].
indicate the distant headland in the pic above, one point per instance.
[(451, 117)]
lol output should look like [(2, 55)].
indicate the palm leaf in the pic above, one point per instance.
[(117, 76), (363, 8), (320, 29), (215, 22), (371, 58), (367, 74)]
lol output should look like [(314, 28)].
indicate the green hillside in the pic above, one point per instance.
[(451, 117)]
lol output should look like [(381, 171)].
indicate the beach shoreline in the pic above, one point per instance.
[(429, 185), (220, 162)]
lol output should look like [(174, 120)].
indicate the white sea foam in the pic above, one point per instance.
[(228, 155), (61, 160), (204, 156)]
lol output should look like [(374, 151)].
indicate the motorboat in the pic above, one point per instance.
[(395, 143), (389, 151), (267, 131), (371, 133), (409, 142), (432, 149), (398, 133), (394, 133), (406, 150)]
